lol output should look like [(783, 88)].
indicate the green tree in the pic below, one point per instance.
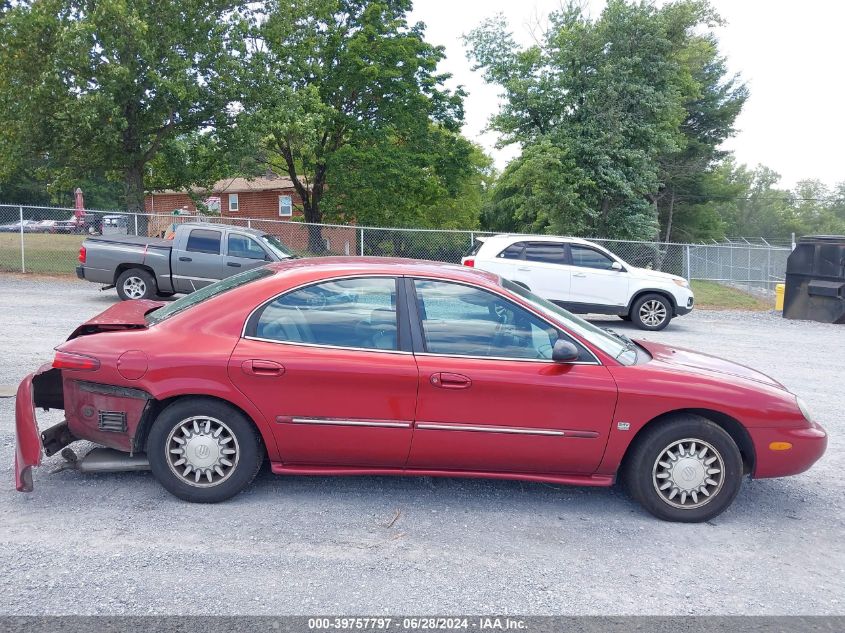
[(618, 96), (435, 181), (539, 191), (104, 85), (711, 100), (334, 74)]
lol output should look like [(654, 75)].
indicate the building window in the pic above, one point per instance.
[(285, 206), (233, 202)]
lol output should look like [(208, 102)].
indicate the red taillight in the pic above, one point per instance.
[(80, 362), (82, 254), (469, 262)]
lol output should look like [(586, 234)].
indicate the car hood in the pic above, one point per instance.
[(705, 364), (655, 275), (125, 315)]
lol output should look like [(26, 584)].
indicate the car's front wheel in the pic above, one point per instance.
[(203, 450), (686, 469), (651, 312)]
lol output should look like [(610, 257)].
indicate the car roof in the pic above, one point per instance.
[(218, 226), (326, 267), (522, 237)]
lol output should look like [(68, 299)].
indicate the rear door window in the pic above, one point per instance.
[(351, 313), (546, 252), (204, 241)]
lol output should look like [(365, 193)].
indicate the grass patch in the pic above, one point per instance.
[(44, 253), (710, 295)]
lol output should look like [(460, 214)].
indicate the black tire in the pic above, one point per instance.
[(624, 317), (166, 295), (647, 311), (135, 283), (245, 440), (642, 469)]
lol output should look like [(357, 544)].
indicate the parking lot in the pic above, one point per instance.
[(118, 543)]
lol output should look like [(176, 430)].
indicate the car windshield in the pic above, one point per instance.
[(622, 349), (203, 294), (275, 244)]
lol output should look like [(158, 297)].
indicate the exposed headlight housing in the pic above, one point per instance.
[(683, 283), (805, 410)]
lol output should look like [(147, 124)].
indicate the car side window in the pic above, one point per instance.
[(514, 251), (204, 241), (357, 313), (244, 246), (590, 258), (460, 320), (547, 252)]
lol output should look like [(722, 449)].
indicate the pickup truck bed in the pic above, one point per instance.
[(131, 239), (198, 254)]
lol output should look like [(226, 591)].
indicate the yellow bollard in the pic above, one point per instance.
[(779, 290)]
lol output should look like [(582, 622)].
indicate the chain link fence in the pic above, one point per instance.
[(46, 240)]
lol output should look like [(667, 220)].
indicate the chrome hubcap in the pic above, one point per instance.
[(653, 312), (688, 473), (134, 287), (202, 451)]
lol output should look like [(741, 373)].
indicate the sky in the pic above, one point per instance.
[(790, 55)]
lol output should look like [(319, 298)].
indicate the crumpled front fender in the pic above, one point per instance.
[(28, 447)]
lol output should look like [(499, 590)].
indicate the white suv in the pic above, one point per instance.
[(584, 277)]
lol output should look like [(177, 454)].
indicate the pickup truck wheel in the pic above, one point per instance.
[(651, 312), (135, 284), (203, 450)]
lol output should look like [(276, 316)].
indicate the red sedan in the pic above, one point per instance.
[(354, 366)]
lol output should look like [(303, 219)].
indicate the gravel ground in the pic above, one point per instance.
[(119, 544)]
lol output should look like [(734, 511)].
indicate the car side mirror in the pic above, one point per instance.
[(564, 352), (616, 266)]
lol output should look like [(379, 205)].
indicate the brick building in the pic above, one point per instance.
[(263, 198), (266, 197)]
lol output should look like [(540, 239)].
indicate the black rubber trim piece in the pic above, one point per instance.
[(113, 390)]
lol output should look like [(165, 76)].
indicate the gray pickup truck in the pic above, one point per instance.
[(198, 254)]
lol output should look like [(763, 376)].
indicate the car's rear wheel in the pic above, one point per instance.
[(135, 283), (686, 469), (203, 450), (651, 312)]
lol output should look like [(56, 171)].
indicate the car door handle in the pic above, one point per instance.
[(257, 367), (233, 264), (447, 380), (525, 270), (579, 274), (185, 259)]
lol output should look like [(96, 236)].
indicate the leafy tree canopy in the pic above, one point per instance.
[(105, 85), (340, 91), (630, 99)]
